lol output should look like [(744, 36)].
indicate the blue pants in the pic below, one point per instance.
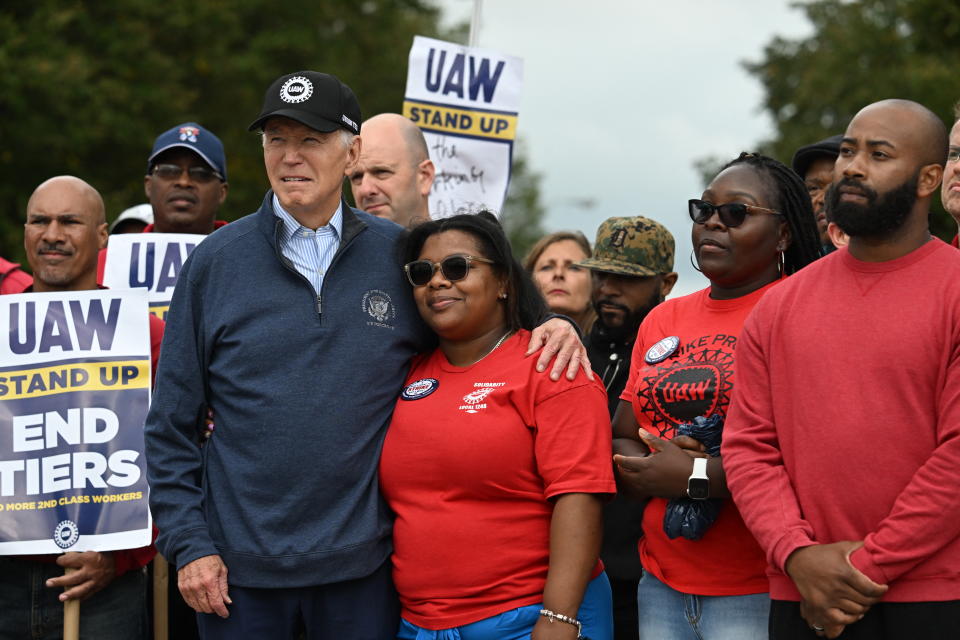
[(666, 613), (29, 610), (362, 609), (596, 614)]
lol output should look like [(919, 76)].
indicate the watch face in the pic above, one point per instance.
[(698, 488)]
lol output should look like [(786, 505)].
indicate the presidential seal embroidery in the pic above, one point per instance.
[(662, 350), (419, 389), (378, 305)]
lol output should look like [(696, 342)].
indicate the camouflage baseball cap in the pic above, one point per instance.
[(632, 246)]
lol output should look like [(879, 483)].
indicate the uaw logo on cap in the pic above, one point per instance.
[(296, 89), (662, 350), (66, 534), (189, 134), (419, 389)]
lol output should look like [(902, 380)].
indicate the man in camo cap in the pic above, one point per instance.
[(632, 267)]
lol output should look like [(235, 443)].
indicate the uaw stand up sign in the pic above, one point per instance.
[(148, 261), (74, 392), (465, 100)]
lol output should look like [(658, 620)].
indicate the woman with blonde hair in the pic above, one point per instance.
[(553, 263)]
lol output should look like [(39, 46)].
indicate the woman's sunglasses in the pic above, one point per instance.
[(453, 268), (731, 215)]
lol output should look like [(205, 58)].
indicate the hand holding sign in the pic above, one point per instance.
[(93, 572)]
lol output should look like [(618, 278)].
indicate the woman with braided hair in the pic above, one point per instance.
[(752, 226)]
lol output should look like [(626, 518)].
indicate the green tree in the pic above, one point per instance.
[(86, 85), (860, 52), (522, 214)]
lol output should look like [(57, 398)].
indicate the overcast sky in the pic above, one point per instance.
[(621, 97)]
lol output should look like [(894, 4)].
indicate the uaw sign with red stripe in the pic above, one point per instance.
[(74, 392), (150, 261), (466, 101)]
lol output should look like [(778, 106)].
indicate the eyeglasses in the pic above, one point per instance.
[(731, 215), (174, 171), (453, 268)]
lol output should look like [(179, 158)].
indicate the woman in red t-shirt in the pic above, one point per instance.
[(496, 474), (753, 225)]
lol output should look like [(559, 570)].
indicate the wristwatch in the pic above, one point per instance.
[(698, 485)]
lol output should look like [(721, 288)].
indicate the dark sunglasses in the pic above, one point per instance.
[(174, 171), (731, 215), (453, 268)]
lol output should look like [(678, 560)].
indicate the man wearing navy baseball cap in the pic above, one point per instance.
[(186, 180), (296, 325)]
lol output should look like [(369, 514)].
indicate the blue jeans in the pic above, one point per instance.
[(596, 614), (666, 614), (30, 611)]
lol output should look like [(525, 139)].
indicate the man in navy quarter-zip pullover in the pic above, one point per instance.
[(296, 326)]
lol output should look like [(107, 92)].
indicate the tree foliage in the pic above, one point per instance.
[(523, 212), (86, 86), (860, 52)]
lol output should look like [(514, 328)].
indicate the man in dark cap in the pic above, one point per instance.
[(632, 267), (186, 183), (814, 163), (295, 326)]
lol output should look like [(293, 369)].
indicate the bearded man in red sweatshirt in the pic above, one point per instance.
[(842, 442)]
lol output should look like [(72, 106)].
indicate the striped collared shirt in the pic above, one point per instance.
[(310, 252)]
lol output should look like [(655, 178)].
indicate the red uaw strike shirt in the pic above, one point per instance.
[(469, 464), (696, 379)]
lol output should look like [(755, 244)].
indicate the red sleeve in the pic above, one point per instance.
[(130, 559), (101, 265), (572, 442), (923, 518), (15, 280), (752, 459), (156, 337)]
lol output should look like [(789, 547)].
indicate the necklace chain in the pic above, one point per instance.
[(493, 348)]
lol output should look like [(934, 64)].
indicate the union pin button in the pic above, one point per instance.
[(662, 350)]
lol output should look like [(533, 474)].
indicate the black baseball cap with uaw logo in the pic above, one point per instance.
[(318, 100)]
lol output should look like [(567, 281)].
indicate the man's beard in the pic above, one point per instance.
[(631, 322), (880, 216)]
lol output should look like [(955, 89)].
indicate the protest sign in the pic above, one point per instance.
[(74, 392), (466, 101), (148, 261)]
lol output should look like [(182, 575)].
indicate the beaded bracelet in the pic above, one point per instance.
[(553, 617)]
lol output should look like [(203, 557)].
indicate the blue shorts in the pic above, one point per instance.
[(596, 614)]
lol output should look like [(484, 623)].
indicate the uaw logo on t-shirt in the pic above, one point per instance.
[(678, 390), (378, 305), (473, 402)]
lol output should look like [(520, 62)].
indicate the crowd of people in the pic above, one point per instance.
[(420, 435)]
